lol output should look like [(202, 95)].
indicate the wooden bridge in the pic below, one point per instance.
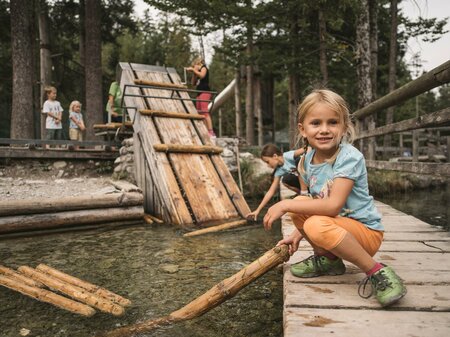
[(330, 305)]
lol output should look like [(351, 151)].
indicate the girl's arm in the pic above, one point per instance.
[(299, 152), (269, 194), (330, 206)]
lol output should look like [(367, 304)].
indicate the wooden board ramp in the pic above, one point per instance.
[(181, 173), (330, 305), (84, 296)]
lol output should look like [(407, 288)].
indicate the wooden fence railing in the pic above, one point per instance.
[(439, 120)]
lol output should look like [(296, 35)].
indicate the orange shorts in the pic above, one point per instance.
[(327, 232)]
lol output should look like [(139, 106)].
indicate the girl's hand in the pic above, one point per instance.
[(292, 241), (252, 216), (190, 69), (274, 213)]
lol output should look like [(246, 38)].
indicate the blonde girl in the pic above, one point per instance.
[(340, 221), (76, 126)]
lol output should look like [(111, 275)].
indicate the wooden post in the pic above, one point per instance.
[(47, 296), (92, 288), (213, 297), (217, 228)]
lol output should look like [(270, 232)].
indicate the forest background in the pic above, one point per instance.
[(279, 50)]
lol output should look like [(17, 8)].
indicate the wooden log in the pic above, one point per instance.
[(217, 228), (111, 126), (148, 220), (179, 148), (47, 296), (125, 186), (160, 84), (213, 297), (66, 219), (160, 113), (49, 205), (19, 277), (154, 218), (73, 291), (92, 288)]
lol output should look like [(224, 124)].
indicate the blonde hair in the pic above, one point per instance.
[(198, 60), (337, 104), (47, 90), (72, 104)]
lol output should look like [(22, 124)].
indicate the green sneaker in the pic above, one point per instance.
[(315, 265), (386, 285)]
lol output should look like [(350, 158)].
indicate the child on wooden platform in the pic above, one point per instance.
[(76, 126), (340, 221), (285, 170), (53, 109)]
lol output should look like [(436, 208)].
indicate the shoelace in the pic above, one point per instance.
[(315, 260), (378, 281)]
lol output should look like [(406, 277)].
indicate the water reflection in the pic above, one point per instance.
[(155, 267)]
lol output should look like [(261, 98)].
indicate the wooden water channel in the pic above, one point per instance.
[(330, 305)]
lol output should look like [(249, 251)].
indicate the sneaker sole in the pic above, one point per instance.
[(311, 275), (394, 299)]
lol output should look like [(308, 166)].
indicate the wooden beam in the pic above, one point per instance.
[(432, 79), (217, 228), (439, 118), (160, 84), (8, 152), (179, 148), (109, 126), (159, 113), (442, 169)]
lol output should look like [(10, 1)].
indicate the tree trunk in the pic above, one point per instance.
[(373, 12), (82, 46), (237, 103), (294, 93), (93, 67), (22, 114), (249, 125), (323, 47), (257, 106), (363, 65), (45, 59), (392, 75), (267, 102), (213, 297)]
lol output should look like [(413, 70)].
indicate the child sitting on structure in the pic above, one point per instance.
[(285, 170), (340, 221), (53, 109), (76, 126)]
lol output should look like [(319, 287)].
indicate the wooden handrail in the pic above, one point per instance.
[(160, 84)]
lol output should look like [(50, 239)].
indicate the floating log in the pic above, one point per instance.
[(154, 218), (159, 113), (71, 218), (179, 148), (12, 274), (148, 220), (49, 205), (46, 296), (217, 228), (213, 297), (92, 288), (160, 84), (73, 291)]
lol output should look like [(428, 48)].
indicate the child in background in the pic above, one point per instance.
[(340, 221), (285, 169), (76, 126), (52, 108)]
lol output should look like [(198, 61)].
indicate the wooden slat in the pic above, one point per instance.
[(159, 113), (159, 84), (179, 148)]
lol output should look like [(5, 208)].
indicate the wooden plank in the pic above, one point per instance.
[(442, 169), (222, 170), (160, 84), (159, 113), (7, 152), (180, 148), (315, 322)]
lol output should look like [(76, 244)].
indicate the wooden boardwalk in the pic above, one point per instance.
[(330, 305)]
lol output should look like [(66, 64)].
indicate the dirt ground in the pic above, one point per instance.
[(25, 179)]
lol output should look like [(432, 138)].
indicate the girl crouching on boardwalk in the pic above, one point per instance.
[(340, 221)]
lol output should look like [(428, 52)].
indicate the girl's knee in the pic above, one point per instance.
[(317, 228)]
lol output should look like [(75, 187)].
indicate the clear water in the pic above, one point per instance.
[(131, 261), (429, 205)]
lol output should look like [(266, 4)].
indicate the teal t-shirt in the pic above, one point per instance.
[(288, 166), (349, 164), (116, 93)]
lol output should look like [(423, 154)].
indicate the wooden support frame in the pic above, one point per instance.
[(159, 113), (160, 84)]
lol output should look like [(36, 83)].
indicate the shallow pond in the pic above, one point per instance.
[(155, 267)]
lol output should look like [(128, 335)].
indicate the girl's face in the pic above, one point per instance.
[(76, 108), (273, 162), (52, 95), (323, 129)]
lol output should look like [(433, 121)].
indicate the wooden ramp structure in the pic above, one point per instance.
[(330, 305), (180, 171)]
